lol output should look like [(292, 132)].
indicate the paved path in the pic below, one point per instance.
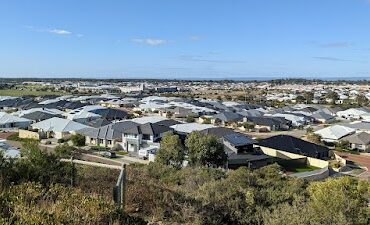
[(361, 160)]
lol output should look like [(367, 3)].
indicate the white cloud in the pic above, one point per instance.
[(59, 31), (195, 38), (150, 41), (56, 31)]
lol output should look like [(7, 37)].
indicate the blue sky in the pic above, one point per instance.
[(185, 38)]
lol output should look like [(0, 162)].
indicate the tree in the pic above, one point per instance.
[(169, 114), (218, 121), (309, 130), (348, 201), (78, 140), (43, 167), (190, 119), (171, 151), (332, 95), (65, 151), (309, 96), (300, 99), (315, 138), (362, 100), (205, 150), (343, 146), (248, 126)]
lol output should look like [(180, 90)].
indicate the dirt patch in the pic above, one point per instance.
[(5, 135)]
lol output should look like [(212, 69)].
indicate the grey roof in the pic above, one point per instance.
[(321, 115), (359, 126), (39, 116), (269, 121), (362, 138), (228, 116), (294, 145), (148, 128), (250, 112), (179, 110), (219, 132), (238, 139), (98, 122), (111, 114), (57, 124), (111, 132), (168, 122), (307, 109)]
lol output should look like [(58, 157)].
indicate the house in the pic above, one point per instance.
[(50, 111), (177, 112), (187, 128), (240, 152), (295, 145), (251, 113), (353, 113), (111, 114), (226, 118), (264, 123), (96, 123), (149, 119), (83, 116), (334, 133), (297, 120), (58, 128), (119, 103), (219, 132), (10, 121), (322, 117), (143, 136), (38, 116), (106, 136), (359, 141)]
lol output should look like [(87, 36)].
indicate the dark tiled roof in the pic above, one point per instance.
[(229, 116), (219, 132), (40, 116), (268, 121), (168, 122), (111, 114), (111, 132), (148, 128), (322, 115), (293, 145), (98, 122), (238, 139)]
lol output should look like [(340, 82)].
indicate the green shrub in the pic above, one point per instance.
[(78, 140)]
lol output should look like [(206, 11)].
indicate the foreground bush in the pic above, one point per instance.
[(31, 203), (264, 196)]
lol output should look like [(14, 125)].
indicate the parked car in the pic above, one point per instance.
[(108, 154), (144, 153)]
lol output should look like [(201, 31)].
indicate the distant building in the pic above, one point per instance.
[(165, 89), (130, 89)]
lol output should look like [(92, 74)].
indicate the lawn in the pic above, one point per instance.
[(299, 168), (18, 92)]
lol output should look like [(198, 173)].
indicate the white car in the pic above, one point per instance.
[(144, 153)]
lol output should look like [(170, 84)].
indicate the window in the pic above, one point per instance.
[(109, 142), (146, 137)]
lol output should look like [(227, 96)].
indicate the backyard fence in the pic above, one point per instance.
[(119, 190)]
